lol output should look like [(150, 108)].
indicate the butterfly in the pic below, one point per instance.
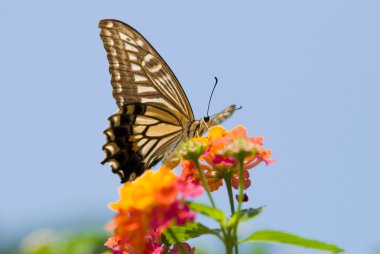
[(154, 115)]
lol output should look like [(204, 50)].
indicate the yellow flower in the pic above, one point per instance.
[(216, 132)]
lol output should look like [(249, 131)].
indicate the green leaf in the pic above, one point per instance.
[(209, 211), (282, 237), (187, 231), (246, 214)]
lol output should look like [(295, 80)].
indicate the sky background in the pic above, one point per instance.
[(305, 72)]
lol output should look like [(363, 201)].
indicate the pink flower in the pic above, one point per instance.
[(177, 250), (158, 250), (226, 161)]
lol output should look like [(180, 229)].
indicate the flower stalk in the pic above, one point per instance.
[(204, 183)]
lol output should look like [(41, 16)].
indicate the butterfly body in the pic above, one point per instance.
[(154, 114)]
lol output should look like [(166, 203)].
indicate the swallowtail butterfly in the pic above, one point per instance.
[(154, 114)]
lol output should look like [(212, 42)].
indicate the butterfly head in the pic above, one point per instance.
[(204, 124)]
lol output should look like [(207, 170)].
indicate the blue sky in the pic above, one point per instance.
[(305, 72)]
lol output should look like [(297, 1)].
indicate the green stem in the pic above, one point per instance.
[(204, 183), (227, 235), (230, 242), (232, 206), (177, 242), (228, 249), (230, 195), (208, 191), (241, 185), (240, 201)]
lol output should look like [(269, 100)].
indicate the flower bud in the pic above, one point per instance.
[(192, 149)]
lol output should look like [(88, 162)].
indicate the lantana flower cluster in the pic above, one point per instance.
[(155, 201), (154, 215), (147, 208), (220, 153)]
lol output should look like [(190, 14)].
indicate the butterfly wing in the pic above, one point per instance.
[(153, 108)]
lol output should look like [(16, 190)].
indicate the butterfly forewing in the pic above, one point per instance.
[(138, 73)]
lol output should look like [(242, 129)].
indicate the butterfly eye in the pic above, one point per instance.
[(206, 119)]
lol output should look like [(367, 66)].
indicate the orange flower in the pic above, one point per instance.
[(141, 195), (147, 207)]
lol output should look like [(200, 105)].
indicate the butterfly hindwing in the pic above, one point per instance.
[(138, 137)]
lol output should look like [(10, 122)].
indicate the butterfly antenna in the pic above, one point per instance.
[(209, 101)]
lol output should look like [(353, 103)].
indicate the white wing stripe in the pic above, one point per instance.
[(145, 89), (139, 78)]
